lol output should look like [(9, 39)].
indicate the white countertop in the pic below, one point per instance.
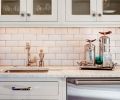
[(64, 72)]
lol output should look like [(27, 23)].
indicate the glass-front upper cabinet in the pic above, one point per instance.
[(12, 10), (80, 10), (42, 10), (108, 10)]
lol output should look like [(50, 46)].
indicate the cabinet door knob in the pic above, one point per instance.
[(99, 14), (93, 14), (22, 14), (28, 14)]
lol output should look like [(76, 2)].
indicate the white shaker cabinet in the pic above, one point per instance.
[(42, 10), (59, 13), (93, 10), (80, 10), (108, 10), (38, 90), (28, 10), (12, 10)]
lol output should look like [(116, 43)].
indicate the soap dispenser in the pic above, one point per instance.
[(89, 52)]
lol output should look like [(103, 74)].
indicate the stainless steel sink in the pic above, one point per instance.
[(27, 70)]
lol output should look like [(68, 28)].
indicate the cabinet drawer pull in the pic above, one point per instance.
[(21, 89)]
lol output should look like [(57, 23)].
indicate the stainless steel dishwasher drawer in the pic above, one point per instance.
[(93, 89)]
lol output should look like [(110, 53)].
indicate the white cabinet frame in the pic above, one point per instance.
[(105, 17), (45, 18), (13, 18), (70, 17)]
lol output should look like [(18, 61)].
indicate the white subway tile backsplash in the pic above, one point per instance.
[(117, 43), (55, 50), (67, 62), (54, 37), (55, 62), (6, 62), (29, 36), (42, 37), (2, 56), (18, 62), (17, 50), (2, 30), (118, 56), (73, 30), (17, 37), (49, 56), (73, 43), (112, 43), (22, 56), (5, 50), (11, 56), (37, 43), (2, 43), (79, 50), (77, 37), (67, 50), (61, 56), (73, 57), (48, 43), (5, 37), (67, 37), (61, 31), (62, 46), (24, 30), (48, 31), (86, 31), (12, 30), (11, 43)]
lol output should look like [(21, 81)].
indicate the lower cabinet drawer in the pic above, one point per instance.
[(29, 90)]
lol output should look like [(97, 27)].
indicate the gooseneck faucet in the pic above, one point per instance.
[(29, 60), (28, 53)]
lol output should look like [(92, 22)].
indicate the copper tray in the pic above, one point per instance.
[(95, 68)]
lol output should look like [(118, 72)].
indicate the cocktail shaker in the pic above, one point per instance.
[(89, 52), (104, 43), (104, 48)]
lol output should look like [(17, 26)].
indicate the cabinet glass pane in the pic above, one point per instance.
[(42, 7), (10, 7), (80, 7), (111, 7)]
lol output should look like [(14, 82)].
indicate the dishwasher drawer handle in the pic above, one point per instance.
[(77, 82), (21, 89)]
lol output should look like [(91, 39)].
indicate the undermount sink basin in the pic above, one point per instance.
[(27, 70)]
